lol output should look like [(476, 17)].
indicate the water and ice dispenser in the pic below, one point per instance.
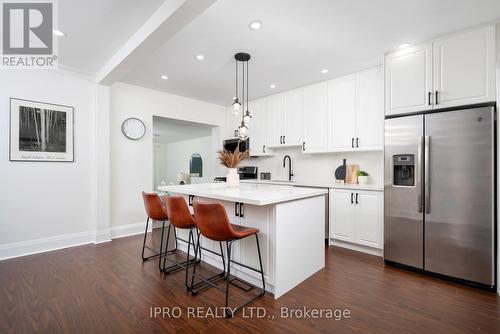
[(404, 170)]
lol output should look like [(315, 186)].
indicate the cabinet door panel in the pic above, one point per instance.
[(315, 117), (258, 127), (293, 115), (342, 112), (275, 120), (369, 219), (370, 108), (342, 215), (464, 68), (408, 78)]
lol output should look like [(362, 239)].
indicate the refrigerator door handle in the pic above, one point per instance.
[(420, 171), (427, 177)]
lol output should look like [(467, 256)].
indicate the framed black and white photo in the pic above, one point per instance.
[(40, 131)]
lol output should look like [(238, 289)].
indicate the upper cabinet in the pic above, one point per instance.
[(464, 68), (258, 127), (356, 112), (451, 71), (315, 118), (285, 118)]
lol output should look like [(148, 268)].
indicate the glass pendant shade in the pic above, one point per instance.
[(243, 131), (247, 118), (236, 104)]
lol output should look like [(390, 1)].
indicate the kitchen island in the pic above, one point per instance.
[(291, 221)]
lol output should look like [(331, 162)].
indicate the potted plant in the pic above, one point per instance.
[(363, 177), (232, 160)]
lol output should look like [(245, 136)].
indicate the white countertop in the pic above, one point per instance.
[(317, 184), (248, 193)]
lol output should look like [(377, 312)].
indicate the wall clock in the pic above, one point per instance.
[(133, 128)]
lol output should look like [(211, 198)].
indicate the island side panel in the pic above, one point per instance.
[(299, 242)]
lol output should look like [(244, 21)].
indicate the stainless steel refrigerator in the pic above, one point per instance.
[(440, 193)]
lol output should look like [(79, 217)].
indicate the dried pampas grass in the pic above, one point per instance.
[(232, 159)]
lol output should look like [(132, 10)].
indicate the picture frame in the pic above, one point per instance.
[(41, 131)]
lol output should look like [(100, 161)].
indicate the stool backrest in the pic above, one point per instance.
[(154, 207), (212, 221), (178, 212)]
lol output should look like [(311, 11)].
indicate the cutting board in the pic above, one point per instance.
[(352, 174)]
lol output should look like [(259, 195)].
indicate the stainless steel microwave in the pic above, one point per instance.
[(231, 144)]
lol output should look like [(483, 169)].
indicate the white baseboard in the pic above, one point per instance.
[(357, 248), (127, 230), (102, 236), (42, 245)]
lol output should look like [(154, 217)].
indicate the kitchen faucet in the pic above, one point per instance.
[(290, 174)]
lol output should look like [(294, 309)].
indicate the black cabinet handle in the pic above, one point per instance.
[(241, 210), (357, 142), (429, 98), (283, 139), (352, 201), (357, 198), (236, 206), (436, 100), (352, 142), (303, 146), (190, 200), (263, 148)]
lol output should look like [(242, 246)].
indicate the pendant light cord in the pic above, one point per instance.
[(243, 93), (247, 85), (236, 95)]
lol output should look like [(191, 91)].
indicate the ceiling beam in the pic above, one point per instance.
[(170, 18)]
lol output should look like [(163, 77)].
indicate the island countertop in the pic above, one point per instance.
[(254, 194)]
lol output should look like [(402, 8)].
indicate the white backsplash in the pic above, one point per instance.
[(318, 166)]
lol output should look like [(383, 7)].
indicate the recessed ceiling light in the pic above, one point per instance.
[(164, 77), (59, 33), (272, 86), (403, 45), (255, 25), (200, 57), (325, 70)]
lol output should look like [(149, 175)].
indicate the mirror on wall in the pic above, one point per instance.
[(196, 165)]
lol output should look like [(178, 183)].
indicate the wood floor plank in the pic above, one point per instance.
[(107, 288)]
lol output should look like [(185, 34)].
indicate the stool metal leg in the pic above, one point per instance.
[(144, 242), (156, 253), (161, 243), (226, 310)]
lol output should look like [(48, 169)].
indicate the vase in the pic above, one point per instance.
[(232, 177), (363, 180)]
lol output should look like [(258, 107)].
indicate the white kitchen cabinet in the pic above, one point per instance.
[(343, 215), (447, 72), (292, 117), (342, 113), (370, 109), (464, 68), (275, 120), (369, 218), (408, 80), (357, 217), (258, 127), (315, 120)]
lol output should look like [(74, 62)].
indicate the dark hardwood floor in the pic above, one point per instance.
[(107, 288)]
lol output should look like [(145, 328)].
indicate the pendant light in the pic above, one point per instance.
[(243, 128), (236, 103)]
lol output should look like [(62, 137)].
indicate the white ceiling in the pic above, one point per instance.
[(298, 38), (96, 29), (167, 130)]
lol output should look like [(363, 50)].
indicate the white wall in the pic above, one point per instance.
[(318, 167), (131, 165), (42, 200)]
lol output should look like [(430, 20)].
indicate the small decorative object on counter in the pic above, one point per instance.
[(340, 172), (363, 177), (351, 174), (232, 160)]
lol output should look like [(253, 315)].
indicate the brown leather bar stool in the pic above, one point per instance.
[(213, 223), (180, 218), (155, 211)]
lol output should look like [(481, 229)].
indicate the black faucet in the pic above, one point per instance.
[(290, 174)]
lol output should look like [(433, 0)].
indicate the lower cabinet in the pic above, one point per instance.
[(357, 217)]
